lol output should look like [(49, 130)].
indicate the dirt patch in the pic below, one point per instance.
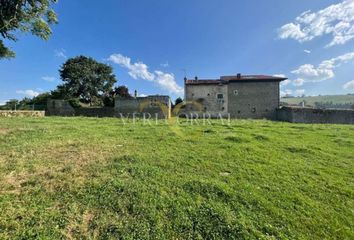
[(13, 182), (4, 131), (77, 228), (53, 166)]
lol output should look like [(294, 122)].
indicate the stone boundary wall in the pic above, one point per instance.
[(132, 108), (59, 108), (95, 112), (312, 115), (151, 106), (22, 113)]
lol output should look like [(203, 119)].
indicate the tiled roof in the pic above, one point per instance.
[(227, 79)]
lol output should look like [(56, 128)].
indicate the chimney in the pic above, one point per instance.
[(238, 75), (135, 93), (196, 78), (185, 79)]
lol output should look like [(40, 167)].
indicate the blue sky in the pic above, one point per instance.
[(150, 43)]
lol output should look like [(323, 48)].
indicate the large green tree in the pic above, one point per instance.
[(86, 79), (32, 16)]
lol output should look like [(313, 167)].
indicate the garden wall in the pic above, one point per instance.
[(312, 115), (150, 108), (153, 106), (22, 113)]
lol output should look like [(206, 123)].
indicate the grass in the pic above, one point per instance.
[(88, 178), (335, 99)]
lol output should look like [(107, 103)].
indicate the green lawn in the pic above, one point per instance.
[(87, 178)]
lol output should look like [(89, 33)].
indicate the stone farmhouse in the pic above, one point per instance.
[(248, 96)]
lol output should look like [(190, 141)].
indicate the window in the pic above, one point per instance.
[(220, 96), (236, 92)]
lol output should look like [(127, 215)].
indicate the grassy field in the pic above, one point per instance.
[(87, 178), (335, 99)]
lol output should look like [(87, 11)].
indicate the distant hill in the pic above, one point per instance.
[(340, 101)]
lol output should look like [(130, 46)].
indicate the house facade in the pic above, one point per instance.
[(249, 96)]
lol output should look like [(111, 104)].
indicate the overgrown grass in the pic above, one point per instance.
[(90, 178)]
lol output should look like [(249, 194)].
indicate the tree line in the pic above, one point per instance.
[(85, 82)]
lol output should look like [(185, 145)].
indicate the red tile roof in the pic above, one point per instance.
[(242, 78)]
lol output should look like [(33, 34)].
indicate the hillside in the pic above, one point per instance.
[(335, 99), (80, 178)]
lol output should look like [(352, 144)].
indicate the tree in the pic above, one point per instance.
[(12, 104), (178, 101), (121, 91), (86, 79), (33, 16)]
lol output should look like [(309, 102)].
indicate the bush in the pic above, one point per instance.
[(108, 101), (74, 102)]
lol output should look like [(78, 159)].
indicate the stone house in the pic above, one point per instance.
[(248, 96)]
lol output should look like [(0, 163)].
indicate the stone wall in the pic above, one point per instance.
[(311, 115), (241, 99), (148, 107), (96, 112), (255, 100), (154, 106), (59, 108), (63, 108), (203, 98), (22, 113)]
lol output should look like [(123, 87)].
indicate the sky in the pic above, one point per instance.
[(152, 45)]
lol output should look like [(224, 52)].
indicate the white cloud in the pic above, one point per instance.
[(349, 85), (324, 71), (60, 53), (307, 51), (336, 20), (28, 93), (139, 70), (48, 78), (285, 82), (167, 81), (3, 102), (279, 75), (136, 70), (313, 74), (298, 82), (143, 95), (286, 92), (299, 92), (165, 65)]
